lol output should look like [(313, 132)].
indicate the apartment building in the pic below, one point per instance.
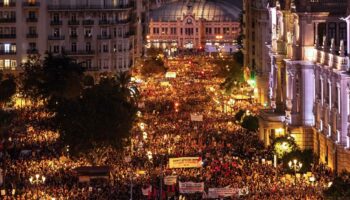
[(99, 34)]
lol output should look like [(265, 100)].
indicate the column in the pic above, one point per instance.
[(307, 98)]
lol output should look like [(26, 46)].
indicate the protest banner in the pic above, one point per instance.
[(185, 162), (196, 117), (222, 192), (191, 187), (170, 180)]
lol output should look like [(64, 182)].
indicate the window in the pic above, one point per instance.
[(73, 31), (31, 15), (347, 142), (208, 31), (332, 32), (56, 32), (56, 49), (342, 32), (7, 63), (56, 17), (32, 30), (74, 47), (73, 17), (338, 136), (329, 131), (7, 48), (105, 48), (32, 46), (88, 32), (88, 46), (6, 2)]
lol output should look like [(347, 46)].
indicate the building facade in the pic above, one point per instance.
[(195, 25), (257, 37), (102, 35), (309, 78)]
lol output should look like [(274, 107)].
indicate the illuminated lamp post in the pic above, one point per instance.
[(37, 180), (295, 165)]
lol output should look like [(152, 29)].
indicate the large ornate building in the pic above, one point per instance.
[(213, 25), (309, 82), (103, 35)]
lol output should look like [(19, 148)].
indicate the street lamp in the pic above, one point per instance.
[(295, 166), (37, 180)]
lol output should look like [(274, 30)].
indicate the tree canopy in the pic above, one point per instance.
[(8, 88), (53, 79), (102, 117)]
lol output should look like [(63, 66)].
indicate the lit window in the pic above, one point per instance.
[(321, 125), (338, 136), (6, 2), (7, 48), (7, 63), (329, 131), (347, 142)]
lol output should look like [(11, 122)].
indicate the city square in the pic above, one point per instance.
[(178, 100)]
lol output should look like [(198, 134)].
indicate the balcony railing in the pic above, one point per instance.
[(11, 4), (80, 52), (104, 37), (54, 37), (73, 22), (32, 51), (104, 22), (8, 20), (7, 36), (86, 36), (31, 4), (32, 19), (90, 7), (74, 36), (88, 22), (56, 23), (3, 52), (32, 35)]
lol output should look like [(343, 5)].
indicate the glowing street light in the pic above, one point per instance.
[(37, 180), (295, 165)]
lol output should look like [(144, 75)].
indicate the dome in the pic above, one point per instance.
[(211, 10)]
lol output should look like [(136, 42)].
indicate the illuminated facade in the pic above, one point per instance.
[(195, 25), (101, 35), (257, 35), (309, 81)]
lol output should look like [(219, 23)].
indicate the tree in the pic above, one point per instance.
[(239, 115), (54, 79), (339, 188), (250, 123), (102, 117), (231, 70), (153, 66), (8, 88)]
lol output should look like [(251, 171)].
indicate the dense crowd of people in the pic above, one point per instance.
[(231, 156)]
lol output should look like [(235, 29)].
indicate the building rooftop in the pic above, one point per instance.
[(211, 10)]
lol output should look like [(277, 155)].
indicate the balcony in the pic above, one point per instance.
[(122, 21), (74, 36), (3, 52), (128, 35), (89, 7), (104, 37), (11, 4), (32, 19), (32, 51), (54, 37), (56, 23), (80, 53), (104, 22), (73, 22), (8, 20), (88, 22), (30, 4), (32, 35), (86, 36), (7, 36)]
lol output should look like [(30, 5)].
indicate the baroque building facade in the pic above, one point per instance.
[(309, 80), (104, 36), (209, 25)]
